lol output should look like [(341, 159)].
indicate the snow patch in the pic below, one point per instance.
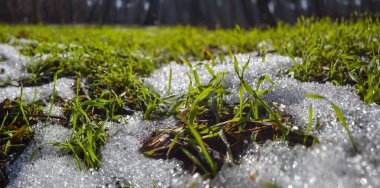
[(331, 163)]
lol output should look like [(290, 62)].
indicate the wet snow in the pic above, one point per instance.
[(13, 67), (331, 163), (122, 161), (49, 167), (63, 88)]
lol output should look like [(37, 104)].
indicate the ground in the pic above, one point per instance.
[(144, 107)]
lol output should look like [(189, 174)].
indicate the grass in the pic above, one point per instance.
[(345, 52), (16, 118), (109, 64), (212, 130), (88, 132)]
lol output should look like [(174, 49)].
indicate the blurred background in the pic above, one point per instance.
[(210, 13)]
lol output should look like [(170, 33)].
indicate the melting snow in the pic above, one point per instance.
[(49, 167), (122, 164), (331, 163), (13, 66), (63, 88)]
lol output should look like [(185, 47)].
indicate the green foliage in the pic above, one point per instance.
[(88, 132), (16, 118), (170, 81), (345, 52), (310, 121)]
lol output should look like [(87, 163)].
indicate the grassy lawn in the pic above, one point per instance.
[(112, 62)]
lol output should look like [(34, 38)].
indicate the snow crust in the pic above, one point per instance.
[(331, 163)]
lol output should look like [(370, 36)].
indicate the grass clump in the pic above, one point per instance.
[(89, 113), (88, 132), (342, 52), (211, 131), (16, 118)]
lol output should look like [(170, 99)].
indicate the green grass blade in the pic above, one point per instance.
[(314, 96), (308, 123), (241, 96), (209, 69), (170, 81), (290, 55), (236, 67), (195, 160), (259, 100), (3, 122), (341, 118), (203, 95), (22, 106), (53, 94), (261, 80), (200, 142), (175, 139), (187, 63), (77, 160), (245, 66)]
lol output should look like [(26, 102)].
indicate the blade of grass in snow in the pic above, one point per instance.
[(53, 94), (172, 144), (195, 160), (200, 142), (339, 115), (310, 120), (20, 102), (249, 89), (170, 81)]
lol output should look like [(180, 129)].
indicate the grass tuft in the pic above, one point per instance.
[(211, 131)]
